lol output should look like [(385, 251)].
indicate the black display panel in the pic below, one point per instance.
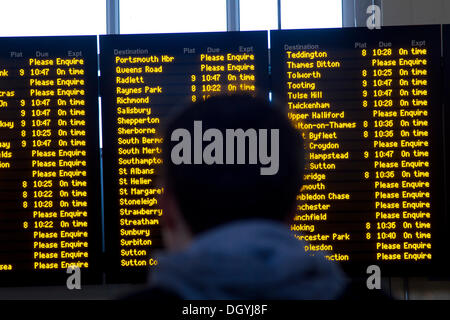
[(368, 103), (49, 160), (143, 78)]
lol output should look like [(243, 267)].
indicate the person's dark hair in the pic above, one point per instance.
[(210, 195)]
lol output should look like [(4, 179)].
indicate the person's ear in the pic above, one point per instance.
[(169, 209), (175, 231)]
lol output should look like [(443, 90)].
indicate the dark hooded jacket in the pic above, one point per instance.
[(254, 259)]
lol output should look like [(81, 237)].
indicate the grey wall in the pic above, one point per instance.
[(397, 12), (354, 12), (407, 12)]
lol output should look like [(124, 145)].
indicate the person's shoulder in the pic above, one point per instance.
[(153, 293)]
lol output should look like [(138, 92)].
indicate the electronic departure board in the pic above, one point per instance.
[(49, 159), (445, 239), (368, 103), (143, 78)]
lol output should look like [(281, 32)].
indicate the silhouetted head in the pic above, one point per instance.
[(230, 158)]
